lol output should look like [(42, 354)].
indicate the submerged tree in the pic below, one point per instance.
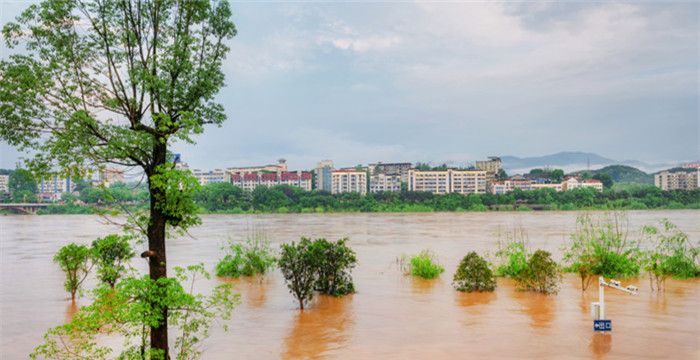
[(111, 255), (474, 274), (117, 82), (74, 260)]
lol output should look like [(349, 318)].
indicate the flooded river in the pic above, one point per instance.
[(391, 316)]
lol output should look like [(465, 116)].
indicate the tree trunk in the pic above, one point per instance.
[(156, 244)]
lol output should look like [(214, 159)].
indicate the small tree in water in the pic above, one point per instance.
[(474, 274), (541, 274), (299, 265), (74, 260), (111, 255), (670, 254)]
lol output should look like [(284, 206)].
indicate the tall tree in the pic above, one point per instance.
[(99, 82)]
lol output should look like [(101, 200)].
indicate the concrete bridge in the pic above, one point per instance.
[(24, 208)]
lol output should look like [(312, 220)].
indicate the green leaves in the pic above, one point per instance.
[(74, 260), (250, 258), (317, 265), (424, 265), (541, 274), (474, 274), (112, 254), (131, 308)]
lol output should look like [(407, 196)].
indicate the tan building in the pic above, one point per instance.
[(682, 180), (279, 168), (491, 166), (343, 181), (4, 183), (110, 176), (385, 182), (571, 183), (449, 181), (323, 175)]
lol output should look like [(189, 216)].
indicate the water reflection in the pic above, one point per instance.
[(421, 286), (71, 309), (471, 300), (601, 344), (539, 307), (321, 329)]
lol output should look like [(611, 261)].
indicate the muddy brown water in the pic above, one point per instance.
[(391, 316)]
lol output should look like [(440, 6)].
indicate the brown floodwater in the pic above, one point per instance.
[(391, 316)]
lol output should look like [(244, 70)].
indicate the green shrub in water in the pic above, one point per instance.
[(247, 259), (670, 255), (601, 247), (541, 274), (424, 265), (474, 274), (512, 253), (335, 261)]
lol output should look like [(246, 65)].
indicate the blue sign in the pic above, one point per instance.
[(602, 325)]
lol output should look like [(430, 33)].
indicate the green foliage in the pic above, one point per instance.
[(600, 247), (512, 253), (111, 254), (247, 259), (335, 262), (541, 274), (22, 185), (318, 265), (423, 265), (134, 305), (474, 274), (670, 254), (74, 260), (299, 265), (553, 175)]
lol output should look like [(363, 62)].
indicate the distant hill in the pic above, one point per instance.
[(571, 161), (566, 160), (621, 174)]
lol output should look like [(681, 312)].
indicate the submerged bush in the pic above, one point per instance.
[(247, 259), (474, 274), (541, 274), (74, 260), (670, 255), (512, 253), (601, 247), (423, 265), (335, 261)]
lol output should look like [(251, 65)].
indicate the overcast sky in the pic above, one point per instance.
[(359, 83)]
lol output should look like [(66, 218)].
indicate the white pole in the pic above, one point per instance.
[(601, 297)]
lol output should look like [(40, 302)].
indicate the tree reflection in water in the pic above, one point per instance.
[(321, 329), (539, 307)]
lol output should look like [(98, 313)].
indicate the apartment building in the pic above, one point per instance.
[(681, 180), (323, 175), (492, 165), (51, 188), (249, 182), (279, 168), (4, 183), (385, 182), (110, 176), (343, 181), (571, 183), (400, 169), (212, 176), (449, 181)]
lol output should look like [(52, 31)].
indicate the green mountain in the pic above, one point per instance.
[(621, 174)]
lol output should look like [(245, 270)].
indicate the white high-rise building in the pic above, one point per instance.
[(343, 181)]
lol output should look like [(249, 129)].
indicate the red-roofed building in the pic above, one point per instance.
[(251, 181)]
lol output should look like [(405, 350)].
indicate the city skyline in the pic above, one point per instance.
[(451, 83)]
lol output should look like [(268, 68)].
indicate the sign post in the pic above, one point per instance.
[(600, 323)]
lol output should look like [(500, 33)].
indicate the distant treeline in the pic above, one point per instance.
[(227, 198), (224, 197)]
